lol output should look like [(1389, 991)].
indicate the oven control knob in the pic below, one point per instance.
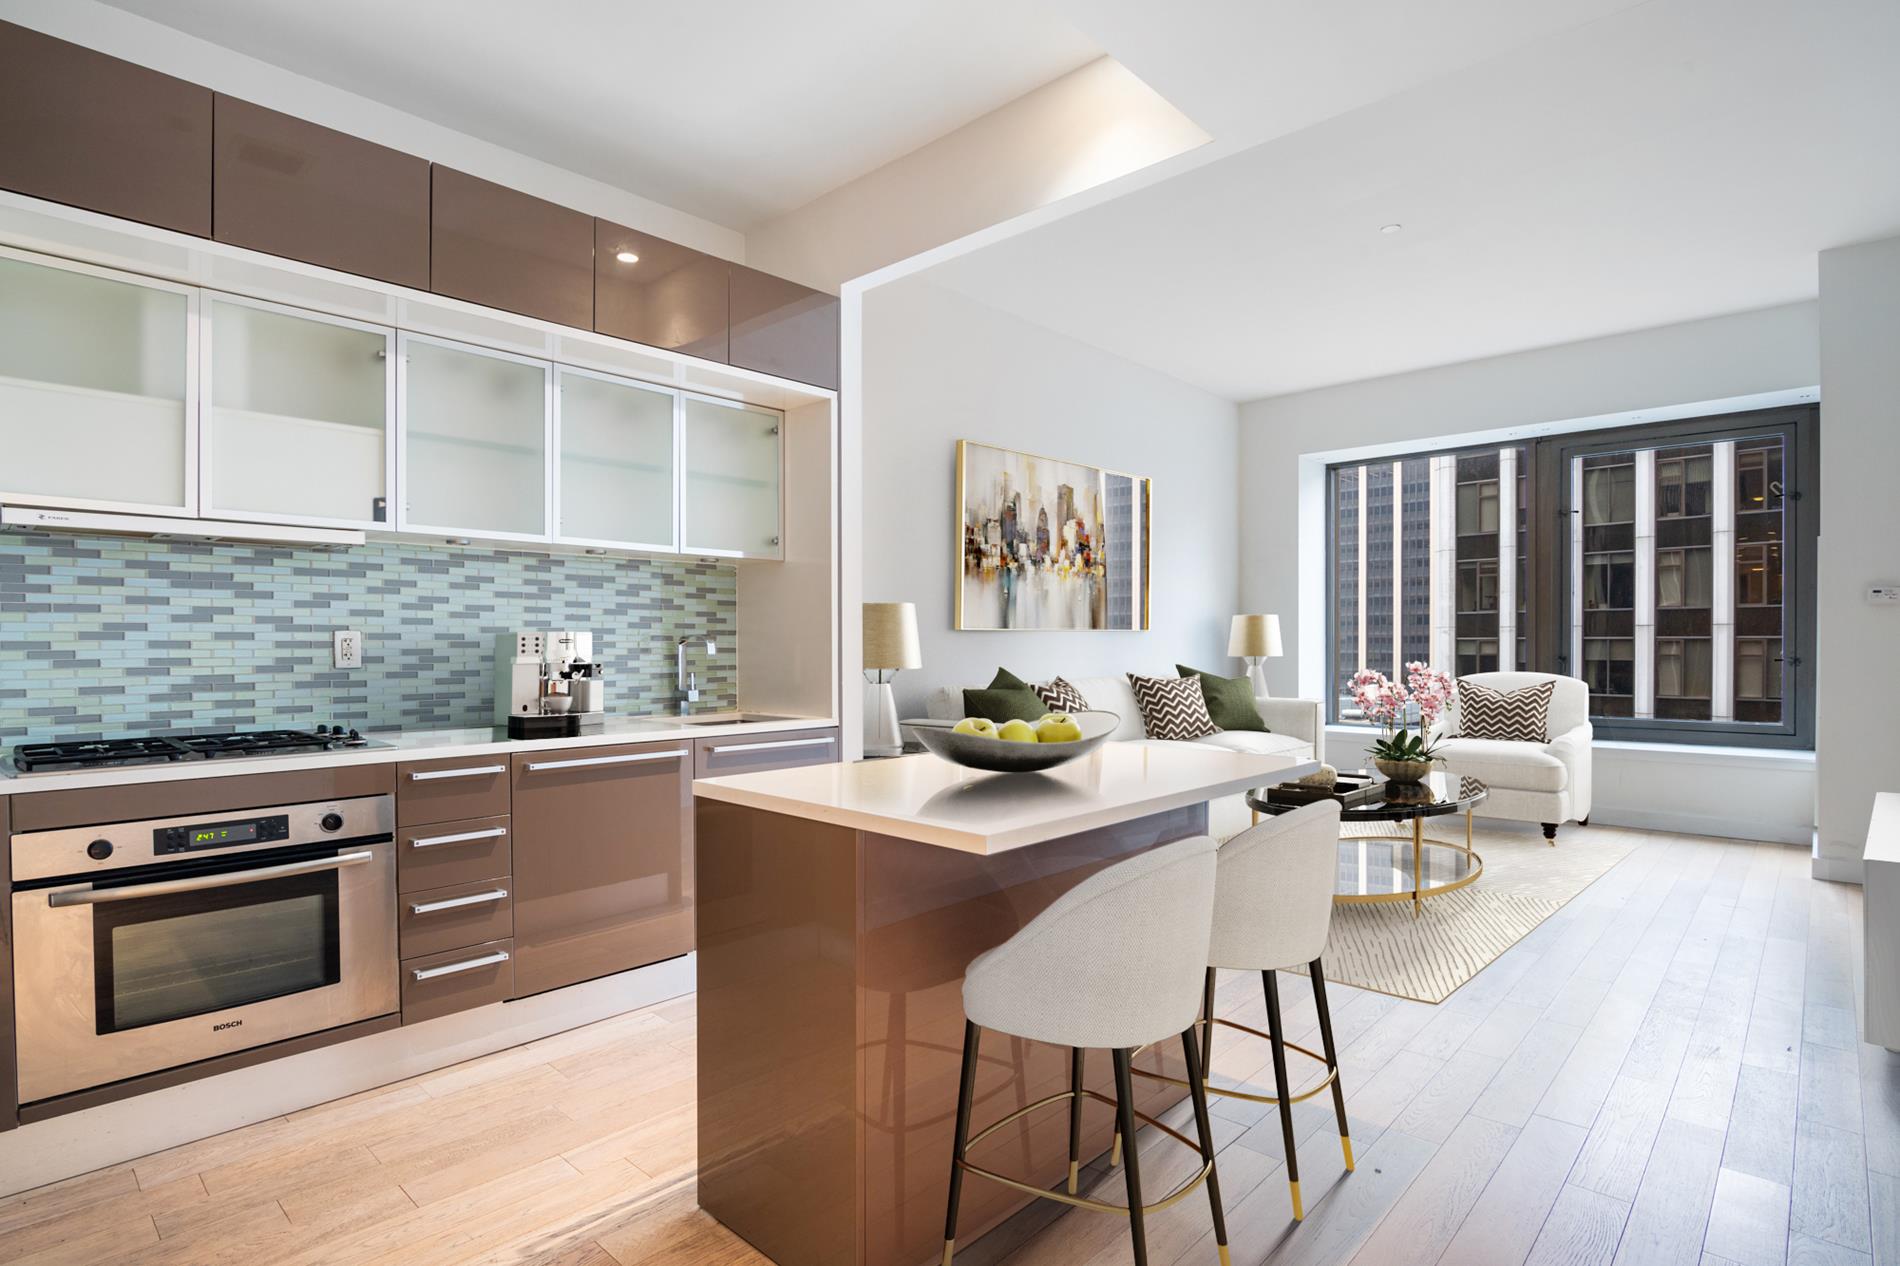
[(332, 822), (99, 850)]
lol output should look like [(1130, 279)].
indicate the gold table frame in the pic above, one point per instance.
[(1419, 890)]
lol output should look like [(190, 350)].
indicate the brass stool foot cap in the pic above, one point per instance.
[(1073, 1166), (1115, 1156), (949, 1251), (1345, 1145), (1299, 1210), (1226, 1258)]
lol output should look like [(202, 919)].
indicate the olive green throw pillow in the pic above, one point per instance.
[(1007, 698), (1229, 700)]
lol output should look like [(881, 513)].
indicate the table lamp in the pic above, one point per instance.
[(1255, 638), (890, 643)]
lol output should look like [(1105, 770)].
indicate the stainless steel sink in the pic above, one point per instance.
[(731, 718)]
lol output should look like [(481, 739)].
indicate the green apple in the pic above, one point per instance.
[(1016, 731), (1058, 727), (982, 727)]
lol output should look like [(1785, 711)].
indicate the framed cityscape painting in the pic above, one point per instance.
[(1045, 544)]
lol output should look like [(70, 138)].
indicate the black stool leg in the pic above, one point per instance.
[(1272, 986), (1207, 1028), (1075, 1114), (1131, 1165), (1197, 1090), (966, 1093), (1332, 1057)]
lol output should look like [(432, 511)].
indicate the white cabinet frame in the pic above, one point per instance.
[(208, 426), (777, 552), (549, 457), (562, 372), (189, 509)]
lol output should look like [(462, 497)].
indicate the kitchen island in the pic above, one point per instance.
[(837, 908)]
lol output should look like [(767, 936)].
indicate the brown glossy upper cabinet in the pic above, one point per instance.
[(658, 292), (92, 131), (307, 192), (497, 246), (782, 328)]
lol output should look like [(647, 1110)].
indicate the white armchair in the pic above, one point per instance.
[(1547, 783)]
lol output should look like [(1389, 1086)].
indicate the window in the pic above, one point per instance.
[(1671, 568)]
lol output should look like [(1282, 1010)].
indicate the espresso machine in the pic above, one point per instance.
[(548, 684)]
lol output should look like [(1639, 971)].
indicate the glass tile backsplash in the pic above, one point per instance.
[(110, 636)]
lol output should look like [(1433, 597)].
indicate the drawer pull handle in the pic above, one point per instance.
[(493, 832), (776, 746), (473, 771), (456, 903), (605, 760), (449, 969)]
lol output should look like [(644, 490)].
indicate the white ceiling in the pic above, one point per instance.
[(735, 111), (1658, 163)]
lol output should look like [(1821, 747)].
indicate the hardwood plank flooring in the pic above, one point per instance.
[(1667, 1070)]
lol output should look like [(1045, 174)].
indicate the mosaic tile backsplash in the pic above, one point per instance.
[(108, 636)]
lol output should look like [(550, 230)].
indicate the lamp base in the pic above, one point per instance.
[(881, 735), (1257, 674)]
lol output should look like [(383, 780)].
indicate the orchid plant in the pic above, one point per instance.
[(1399, 707)]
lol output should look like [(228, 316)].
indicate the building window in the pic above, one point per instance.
[(1672, 571)]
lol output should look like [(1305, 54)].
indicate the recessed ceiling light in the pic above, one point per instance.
[(1390, 228), (627, 257)]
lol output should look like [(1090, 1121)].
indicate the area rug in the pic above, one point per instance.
[(1525, 881)]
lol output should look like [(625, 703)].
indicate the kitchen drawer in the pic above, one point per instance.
[(436, 920), (459, 980), (451, 790), (436, 855), (748, 754)]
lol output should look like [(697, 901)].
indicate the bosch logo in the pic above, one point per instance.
[(228, 1024)]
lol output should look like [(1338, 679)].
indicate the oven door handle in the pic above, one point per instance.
[(226, 879)]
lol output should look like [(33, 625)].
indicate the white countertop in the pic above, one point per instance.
[(405, 745), (928, 799)]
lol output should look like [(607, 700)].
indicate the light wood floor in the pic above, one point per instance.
[(1666, 1071)]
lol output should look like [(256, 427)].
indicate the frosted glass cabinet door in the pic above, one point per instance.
[(474, 436), (298, 424), (732, 478), (97, 406), (616, 474)]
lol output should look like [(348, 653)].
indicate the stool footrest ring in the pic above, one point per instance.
[(1233, 1092), (1083, 1202)]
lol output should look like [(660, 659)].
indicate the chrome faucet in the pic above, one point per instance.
[(689, 681)]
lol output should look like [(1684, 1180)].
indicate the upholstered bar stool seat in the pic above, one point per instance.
[(1117, 963), (1273, 907)]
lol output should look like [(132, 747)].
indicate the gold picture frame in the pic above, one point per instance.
[(1063, 574)]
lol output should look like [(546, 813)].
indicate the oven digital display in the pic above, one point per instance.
[(203, 835)]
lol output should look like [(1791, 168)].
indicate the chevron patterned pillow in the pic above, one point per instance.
[(1519, 716), (1172, 707), (1061, 696)]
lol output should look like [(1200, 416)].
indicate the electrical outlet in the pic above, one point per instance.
[(348, 647)]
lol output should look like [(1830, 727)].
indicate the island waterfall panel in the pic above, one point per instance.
[(831, 1022)]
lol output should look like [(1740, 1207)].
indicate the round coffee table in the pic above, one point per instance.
[(1376, 868)]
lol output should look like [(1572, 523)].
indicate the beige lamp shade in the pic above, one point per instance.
[(1253, 635), (890, 635)]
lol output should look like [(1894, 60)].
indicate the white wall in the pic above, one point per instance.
[(1286, 441), (1859, 652), (153, 44), (938, 367)]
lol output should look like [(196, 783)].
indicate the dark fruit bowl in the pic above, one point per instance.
[(1001, 756)]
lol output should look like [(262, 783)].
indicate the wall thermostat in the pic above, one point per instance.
[(1884, 594)]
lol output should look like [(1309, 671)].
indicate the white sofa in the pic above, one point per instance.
[(1294, 729), (1547, 783)]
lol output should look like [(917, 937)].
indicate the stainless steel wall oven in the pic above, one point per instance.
[(141, 946)]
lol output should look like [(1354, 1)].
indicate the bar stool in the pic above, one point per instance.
[(1273, 905), (1113, 963)]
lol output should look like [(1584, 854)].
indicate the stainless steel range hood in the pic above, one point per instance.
[(159, 528)]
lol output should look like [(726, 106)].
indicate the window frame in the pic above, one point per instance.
[(1545, 634)]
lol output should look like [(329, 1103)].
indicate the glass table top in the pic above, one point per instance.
[(1442, 792), (1372, 868)]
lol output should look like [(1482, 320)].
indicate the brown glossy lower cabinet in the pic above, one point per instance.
[(755, 753), (437, 920), (457, 980), (603, 848)]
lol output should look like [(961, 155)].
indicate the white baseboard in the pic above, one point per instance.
[(1703, 824), (47, 1151)]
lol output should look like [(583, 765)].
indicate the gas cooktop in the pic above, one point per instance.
[(47, 758)]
